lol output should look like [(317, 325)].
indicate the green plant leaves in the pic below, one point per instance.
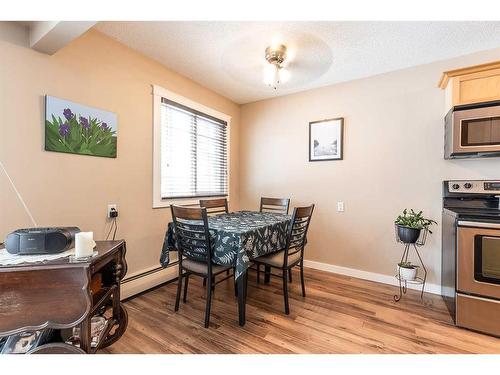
[(407, 265), (81, 137), (412, 219)]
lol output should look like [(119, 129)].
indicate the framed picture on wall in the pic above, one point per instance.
[(78, 129), (326, 139)]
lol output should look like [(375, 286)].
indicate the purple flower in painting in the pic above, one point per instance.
[(68, 114), (84, 122), (104, 126), (64, 129)]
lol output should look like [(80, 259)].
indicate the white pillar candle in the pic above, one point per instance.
[(84, 244)]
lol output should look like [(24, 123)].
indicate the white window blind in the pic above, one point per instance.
[(193, 153)]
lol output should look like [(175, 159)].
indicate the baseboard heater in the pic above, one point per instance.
[(144, 280)]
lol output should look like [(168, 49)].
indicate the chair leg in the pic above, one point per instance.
[(302, 278), (246, 284), (258, 273), (209, 301), (185, 288), (290, 274), (235, 286), (285, 291), (267, 274), (179, 288)]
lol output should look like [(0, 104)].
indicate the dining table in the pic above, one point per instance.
[(236, 239)]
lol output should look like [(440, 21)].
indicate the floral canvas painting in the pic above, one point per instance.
[(326, 139), (78, 129)]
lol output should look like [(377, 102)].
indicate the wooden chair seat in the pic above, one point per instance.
[(277, 259), (202, 267)]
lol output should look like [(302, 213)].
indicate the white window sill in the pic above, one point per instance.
[(165, 203)]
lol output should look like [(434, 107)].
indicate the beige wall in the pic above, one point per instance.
[(392, 152), (393, 158), (65, 189)]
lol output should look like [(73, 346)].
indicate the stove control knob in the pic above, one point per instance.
[(455, 186), (467, 185)]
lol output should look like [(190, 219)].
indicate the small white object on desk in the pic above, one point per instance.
[(84, 244)]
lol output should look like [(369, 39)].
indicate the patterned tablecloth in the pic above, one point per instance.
[(238, 237)]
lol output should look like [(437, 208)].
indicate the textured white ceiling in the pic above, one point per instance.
[(228, 57)]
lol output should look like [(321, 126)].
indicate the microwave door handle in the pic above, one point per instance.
[(478, 224)]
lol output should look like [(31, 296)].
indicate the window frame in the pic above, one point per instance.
[(158, 94)]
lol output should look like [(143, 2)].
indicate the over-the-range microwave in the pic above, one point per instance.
[(472, 131)]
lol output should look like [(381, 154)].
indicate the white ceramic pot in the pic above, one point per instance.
[(408, 274)]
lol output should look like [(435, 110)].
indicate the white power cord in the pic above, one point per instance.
[(18, 195)]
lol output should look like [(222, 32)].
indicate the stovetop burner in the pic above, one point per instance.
[(476, 214), (473, 199)]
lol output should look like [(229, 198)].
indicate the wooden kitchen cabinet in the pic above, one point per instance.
[(475, 84)]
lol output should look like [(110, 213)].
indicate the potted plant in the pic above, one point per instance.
[(410, 224), (407, 271)]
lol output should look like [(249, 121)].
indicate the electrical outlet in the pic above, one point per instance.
[(110, 206), (340, 206)]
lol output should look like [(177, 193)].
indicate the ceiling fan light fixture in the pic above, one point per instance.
[(274, 72), (270, 74), (276, 55), (284, 75)]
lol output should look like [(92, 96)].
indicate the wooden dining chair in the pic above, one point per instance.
[(193, 243), (293, 254), (215, 206), (278, 205)]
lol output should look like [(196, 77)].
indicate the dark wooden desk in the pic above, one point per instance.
[(59, 294)]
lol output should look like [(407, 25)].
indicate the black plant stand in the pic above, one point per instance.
[(403, 284)]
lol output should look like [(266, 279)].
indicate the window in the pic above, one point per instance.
[(191, 151)]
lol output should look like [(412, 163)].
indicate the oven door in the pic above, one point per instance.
[(478, 258), (476, 130)]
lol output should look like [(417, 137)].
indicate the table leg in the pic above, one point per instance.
[(116, 294), (241, 284), (85, 335), (267, 274)]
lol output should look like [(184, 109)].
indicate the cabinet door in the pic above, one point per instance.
[(476, 87)]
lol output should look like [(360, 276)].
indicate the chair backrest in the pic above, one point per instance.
[(192, 238), (297, 231), (215, 206), (278, 205)]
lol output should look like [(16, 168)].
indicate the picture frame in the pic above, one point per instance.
[(79, 129), (326, 139)]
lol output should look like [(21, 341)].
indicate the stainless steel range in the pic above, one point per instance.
[(471, 254)]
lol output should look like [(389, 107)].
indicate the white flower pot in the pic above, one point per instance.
[(408, 274)]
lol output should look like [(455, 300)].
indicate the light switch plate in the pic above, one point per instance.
[(340, 206)]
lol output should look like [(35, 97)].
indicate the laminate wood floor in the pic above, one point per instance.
[(339, 315)]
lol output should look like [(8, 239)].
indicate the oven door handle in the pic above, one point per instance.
[(478, 224)]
